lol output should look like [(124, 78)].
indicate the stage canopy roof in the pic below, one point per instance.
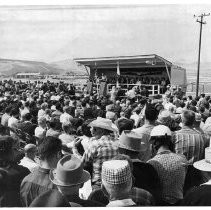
[(138, 61)]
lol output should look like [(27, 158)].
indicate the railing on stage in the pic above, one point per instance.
[(153, 89)]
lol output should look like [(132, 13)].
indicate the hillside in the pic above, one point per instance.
[(10, 67), (70, 66)]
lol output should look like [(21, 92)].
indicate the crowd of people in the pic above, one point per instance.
[(60, 150)]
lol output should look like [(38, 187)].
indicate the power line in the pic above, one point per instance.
[(199, 20)]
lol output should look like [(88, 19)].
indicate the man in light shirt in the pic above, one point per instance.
[(29, 160), (41, 129), (66, 117)]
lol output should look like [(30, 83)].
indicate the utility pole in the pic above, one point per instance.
[(200, 20)]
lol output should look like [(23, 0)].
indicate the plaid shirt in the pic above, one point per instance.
[(191, 143), (142, 197), (98, 152)]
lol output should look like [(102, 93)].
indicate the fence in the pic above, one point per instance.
[(153, 89)]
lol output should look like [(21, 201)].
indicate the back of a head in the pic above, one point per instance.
[(30, 149), (86, 129), (124, 124), (6, 145), (190, 97), (15, 111), (188, 118), (151, 113), (66, 126), (161, 136), (49, 147), (202, 95), (117, 177), (27, 116)]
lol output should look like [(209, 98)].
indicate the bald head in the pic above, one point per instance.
[(30, 151)]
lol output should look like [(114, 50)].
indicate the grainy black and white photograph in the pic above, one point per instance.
[(105, 104)]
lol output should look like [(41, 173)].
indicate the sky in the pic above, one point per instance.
[(53, 33)]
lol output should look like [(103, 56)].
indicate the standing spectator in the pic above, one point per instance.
[(6, 116), (113, 94), (66, 117), (145, 130), (34, 184), (41, 112), (188, 141), (117, 181), (101, 148), (26, 125), (15, 173), (200, 195), (171, 167), (69, 176), (58, 112), (28, 161), (136, 116), (66, 137), (145, 176), (40, 131)]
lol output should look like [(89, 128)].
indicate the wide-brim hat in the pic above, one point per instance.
[(160, 130), (130, 140), (104, 123), (202, 165), (164, 117), (69, 172), (205, 164)]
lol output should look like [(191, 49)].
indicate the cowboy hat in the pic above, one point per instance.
[(205, 164), (103, 123), (69, 172)]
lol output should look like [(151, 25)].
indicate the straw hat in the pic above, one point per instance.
[(69, 172), (205, 164), (104, 123)]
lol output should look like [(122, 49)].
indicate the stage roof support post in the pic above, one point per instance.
[(167, 70), (118, 73)]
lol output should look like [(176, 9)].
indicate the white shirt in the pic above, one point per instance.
[(29, 163), (167, 105), (12, 122), (123, 202), (85, 142), (39, 132), (41, 113), (66, 138), (131, 93), (65, 118), (136, 118)]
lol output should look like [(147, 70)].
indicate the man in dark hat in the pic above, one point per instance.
[(15, 172), (145, 175), (69, 177)]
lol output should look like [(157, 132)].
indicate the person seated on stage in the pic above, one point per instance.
[(103, 78), (145, 92), (131, 93)]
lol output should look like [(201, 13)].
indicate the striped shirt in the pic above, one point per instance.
[(191, 143), (98, 152)]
